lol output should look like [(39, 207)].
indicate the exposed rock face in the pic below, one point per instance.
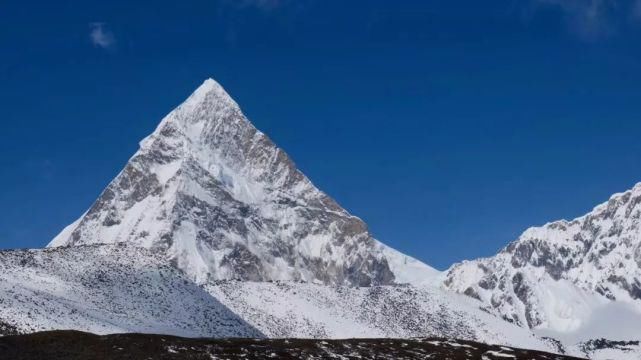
[(555, 275), (223, 202)]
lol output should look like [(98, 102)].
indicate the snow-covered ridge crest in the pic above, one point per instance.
[(221, 201)]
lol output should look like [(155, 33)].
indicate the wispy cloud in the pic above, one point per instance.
[(595, 19), (636, 10), (590, 19), (263, 5), (101, 36)]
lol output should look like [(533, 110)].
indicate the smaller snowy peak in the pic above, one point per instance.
[(558, 276)]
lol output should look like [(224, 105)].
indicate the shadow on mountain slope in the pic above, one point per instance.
[(108, 289)]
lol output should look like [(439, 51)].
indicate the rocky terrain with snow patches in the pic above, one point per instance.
[(70, 345)]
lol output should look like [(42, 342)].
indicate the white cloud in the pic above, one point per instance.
[(594, 19), (101, 36), (588, 18)]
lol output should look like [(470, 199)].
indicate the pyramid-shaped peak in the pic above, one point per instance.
[(220, 200)]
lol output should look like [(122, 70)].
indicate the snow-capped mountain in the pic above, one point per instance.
[(211, 230), (576, 280), (221, 201)]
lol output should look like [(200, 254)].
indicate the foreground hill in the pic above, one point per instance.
[(70, 345), (107, 289), (124, 288)]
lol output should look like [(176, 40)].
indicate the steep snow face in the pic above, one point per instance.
[(563, 275), (220, 200)]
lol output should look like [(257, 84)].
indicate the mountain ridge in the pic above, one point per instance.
[(559, 276)]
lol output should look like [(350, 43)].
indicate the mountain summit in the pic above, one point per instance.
[(221, 201)]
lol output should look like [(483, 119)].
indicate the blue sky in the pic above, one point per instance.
[(448, 126)]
